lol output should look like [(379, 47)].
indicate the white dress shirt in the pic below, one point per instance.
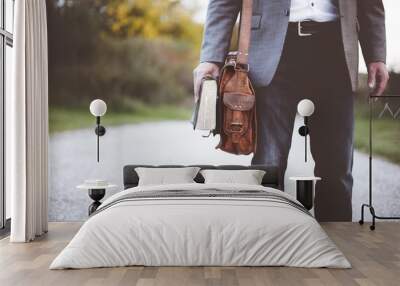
[(315, 10)]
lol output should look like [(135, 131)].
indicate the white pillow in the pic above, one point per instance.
[(163, 176), (248, 177)]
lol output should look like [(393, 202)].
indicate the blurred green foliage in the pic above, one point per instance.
[(142, 50)]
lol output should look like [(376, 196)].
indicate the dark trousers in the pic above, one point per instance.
[(314, 68)]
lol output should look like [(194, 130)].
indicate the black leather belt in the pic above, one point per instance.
[(310, 28)]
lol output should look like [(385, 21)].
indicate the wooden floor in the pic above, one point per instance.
[(375, 257)]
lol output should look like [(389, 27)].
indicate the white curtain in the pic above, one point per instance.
[(27, 123)]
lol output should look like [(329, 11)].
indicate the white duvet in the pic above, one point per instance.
[(200, 231)]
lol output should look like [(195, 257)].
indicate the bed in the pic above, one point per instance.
[(198, 224)]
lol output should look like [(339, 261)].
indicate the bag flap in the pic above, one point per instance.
[(239, 101)]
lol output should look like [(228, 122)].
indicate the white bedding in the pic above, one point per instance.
[(200, 231)]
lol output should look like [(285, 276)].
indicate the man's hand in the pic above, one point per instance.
[(378, 77), (201, 71)]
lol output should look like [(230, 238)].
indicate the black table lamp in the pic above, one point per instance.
[(305, 108), (98, 108)]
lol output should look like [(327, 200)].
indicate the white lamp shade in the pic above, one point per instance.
[(98, 107), (305, 108)]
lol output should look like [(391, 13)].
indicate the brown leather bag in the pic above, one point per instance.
[(237, 98)]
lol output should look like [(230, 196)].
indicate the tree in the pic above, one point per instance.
[(152, 19)]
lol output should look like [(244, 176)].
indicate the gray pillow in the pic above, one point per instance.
[(247, 177), (163, 176)]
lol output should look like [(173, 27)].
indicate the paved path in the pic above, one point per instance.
[(73, 159)]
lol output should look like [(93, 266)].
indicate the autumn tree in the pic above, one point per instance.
[(152, 20)]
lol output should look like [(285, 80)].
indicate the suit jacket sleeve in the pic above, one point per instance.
[(221, 17), (372, 33)]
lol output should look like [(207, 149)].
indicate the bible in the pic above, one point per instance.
[(205, 108)]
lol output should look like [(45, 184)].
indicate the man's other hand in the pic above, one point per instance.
[(378, 77), (202, 70)]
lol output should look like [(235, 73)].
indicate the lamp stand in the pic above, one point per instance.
[(100, 131), (98, 137), (304, 131)]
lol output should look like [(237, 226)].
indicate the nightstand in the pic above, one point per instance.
[(305, 187), (96, 193)]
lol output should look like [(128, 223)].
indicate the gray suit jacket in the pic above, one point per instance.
[(361, 21)]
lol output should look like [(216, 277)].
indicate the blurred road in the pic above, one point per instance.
[(73, 159)]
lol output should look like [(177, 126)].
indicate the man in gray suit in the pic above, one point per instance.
[(305, 49)]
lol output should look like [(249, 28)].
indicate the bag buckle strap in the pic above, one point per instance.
[(236, 126), (239, 66)]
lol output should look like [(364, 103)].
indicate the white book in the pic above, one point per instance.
[(205, 110)]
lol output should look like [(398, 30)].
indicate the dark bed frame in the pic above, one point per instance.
[(270, 179)]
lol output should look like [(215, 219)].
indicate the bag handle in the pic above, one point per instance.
[(245, 32)]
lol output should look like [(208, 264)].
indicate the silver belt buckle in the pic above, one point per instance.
[(299, 32)]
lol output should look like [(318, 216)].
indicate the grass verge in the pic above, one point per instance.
[(386, 134), (64, 118)]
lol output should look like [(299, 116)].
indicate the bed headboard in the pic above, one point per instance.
[(271, 178)]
